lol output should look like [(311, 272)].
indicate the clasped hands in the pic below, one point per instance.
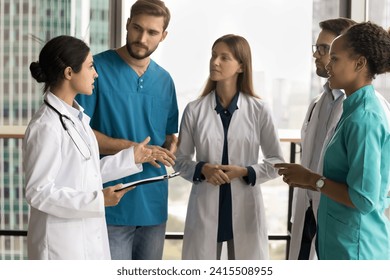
[(217, 174)]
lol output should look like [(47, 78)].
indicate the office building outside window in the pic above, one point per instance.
[(280, 33), (25, 25)]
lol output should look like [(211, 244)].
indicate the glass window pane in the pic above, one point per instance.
[(284, 73), (26, 26), (379, 13)]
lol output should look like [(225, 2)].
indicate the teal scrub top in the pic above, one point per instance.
[(359, 156), (126, 106)]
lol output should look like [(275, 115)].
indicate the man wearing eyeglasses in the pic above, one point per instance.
[(319, 125)]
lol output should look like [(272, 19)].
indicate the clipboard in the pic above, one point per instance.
[(148, 181)]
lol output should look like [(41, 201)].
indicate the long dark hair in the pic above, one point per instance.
[(58, 54)]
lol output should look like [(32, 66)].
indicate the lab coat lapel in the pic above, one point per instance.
[(233, 146), (309, 135), (56, 103), (215, 118)]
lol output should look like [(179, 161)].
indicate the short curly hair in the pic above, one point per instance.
[(373, 42)]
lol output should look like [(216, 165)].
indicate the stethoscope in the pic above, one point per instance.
[(73, 133)]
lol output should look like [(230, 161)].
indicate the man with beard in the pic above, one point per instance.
[(319, 125), (133, 98)]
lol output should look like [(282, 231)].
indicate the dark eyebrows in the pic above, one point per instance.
[(148, 30)]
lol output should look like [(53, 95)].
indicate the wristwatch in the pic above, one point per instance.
[(320, 183)]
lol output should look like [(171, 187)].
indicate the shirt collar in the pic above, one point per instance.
[(74, 110), (357, 98), (232, 107)]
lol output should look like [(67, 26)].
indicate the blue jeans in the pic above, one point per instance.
[(136, 242)]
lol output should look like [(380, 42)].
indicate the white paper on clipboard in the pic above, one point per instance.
[(148, 180)]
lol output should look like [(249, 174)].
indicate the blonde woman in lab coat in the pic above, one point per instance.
[(226, 128), (63, 173)]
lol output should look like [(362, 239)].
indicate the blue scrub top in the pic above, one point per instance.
[(124, 105), (358, 155)]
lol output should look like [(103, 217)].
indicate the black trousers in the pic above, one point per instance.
[(309, 231)]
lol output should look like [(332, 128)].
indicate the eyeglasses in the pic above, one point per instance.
[(322, 49)]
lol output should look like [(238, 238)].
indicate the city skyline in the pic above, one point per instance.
[(284, 70)]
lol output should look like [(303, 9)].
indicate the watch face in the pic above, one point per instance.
[(320, 183)]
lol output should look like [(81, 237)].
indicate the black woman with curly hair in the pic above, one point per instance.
[(354, 189)]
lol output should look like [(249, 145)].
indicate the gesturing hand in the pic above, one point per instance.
[(162, 155), (143, 153), (295, 175)]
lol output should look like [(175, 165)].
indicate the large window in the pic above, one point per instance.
[(379, 12), (25, 25), (280, 33)]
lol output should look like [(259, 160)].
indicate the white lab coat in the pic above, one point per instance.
[(300, 198), (201, 131), (64, 190)]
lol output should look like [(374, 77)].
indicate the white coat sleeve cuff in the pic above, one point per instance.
[(101, 202), (120, 165)]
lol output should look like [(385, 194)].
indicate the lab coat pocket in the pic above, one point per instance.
[(202, 206), (65, 240)]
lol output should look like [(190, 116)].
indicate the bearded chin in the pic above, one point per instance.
[(136, 56)]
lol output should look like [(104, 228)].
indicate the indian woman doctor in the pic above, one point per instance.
[(226, 128), (352, 224), (63, 173)]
